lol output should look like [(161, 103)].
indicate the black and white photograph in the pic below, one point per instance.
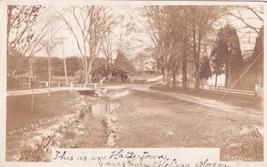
[(134, 75)]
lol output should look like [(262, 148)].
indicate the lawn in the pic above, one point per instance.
[(22, 120), (232, 99)]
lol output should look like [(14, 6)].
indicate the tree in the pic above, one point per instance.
[(154, 29), (165, 28), (227, 53), (201, 19), (258, 54), (249, 15), (88, 25), (122, 63), (23, 34), (217, 64), (50, 46), (205, 71), (74, 64), (117, 38), (178, 34)]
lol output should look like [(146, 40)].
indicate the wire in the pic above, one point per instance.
[(197, 126)]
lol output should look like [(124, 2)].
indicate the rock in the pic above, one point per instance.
[(252, 130), (111, 142)]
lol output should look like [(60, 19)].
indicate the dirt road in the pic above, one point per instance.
[(157, 119)]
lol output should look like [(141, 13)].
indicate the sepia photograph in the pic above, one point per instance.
[(134, 75)]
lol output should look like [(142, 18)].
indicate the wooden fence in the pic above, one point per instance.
[(257, 92)]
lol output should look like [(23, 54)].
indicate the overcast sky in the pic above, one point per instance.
[(246, 36)]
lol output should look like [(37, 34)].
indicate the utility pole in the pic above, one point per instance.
[(64, 59)]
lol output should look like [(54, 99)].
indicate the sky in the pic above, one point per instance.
[(246, 36)]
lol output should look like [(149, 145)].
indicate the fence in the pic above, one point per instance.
[(257, 92)]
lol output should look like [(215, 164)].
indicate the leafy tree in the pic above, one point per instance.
[(227, 53), (57, 66), (217, 64), (205, 71), (123, 63), (178, 34), (73, 64)]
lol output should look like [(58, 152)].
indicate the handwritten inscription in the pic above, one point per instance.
[(122, 158)]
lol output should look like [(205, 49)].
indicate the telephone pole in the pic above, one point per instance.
[(64, 59)]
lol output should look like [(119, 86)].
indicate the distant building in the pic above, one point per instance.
[(254, 74)]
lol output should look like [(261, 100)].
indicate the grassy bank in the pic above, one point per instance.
[(232, 99), (19, 112)]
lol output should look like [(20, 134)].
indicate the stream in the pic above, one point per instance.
[(90, 126)]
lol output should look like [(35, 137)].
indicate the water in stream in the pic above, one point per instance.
[(93, 126)]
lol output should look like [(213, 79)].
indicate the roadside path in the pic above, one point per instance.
[(145, 88), (206, 102)]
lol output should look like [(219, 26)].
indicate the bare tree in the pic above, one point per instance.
[(117, 39), (154, 27), (88, 25), (256, 15), (50, 46), (24, 36)]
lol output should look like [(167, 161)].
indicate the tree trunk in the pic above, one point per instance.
[(86, 80), (195, 56), (49, 74), (184, 63), (31, 74), (32, 101), (226, 71), (165, 76), (174, 72), (197, 78), (216, 78), (49, 83)]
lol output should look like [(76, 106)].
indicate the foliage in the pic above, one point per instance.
[(178, 34), (226, 53), (205, 71), (23, 38), (15, 59), (123, 63), (21, 19), (12, 82), (258, 49), (99, 62), (73, 65)]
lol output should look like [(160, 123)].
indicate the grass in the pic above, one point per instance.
[(232, 99), (19, 113), (143, 76)]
